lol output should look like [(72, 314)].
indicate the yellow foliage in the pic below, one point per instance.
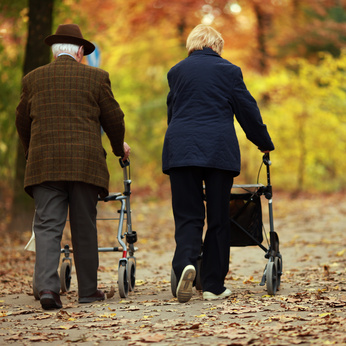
[(305, 115), (302, 103)]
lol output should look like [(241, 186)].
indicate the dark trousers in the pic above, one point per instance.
[(189, 214), (52, 202)]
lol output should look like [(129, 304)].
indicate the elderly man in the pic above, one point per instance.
[(62, 108)]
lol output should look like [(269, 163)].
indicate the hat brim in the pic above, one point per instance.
[(88, 46)]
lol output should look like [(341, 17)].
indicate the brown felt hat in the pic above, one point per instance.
[(70, 33)]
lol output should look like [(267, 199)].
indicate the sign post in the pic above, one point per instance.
[(93, 59)]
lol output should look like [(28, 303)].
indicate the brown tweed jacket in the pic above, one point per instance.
[(62, 108)]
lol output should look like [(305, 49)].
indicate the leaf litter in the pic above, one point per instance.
[(308, 309)]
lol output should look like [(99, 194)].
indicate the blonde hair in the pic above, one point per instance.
[(204, 36)]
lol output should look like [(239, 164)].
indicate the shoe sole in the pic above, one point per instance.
[(184, 289), (48, 303)]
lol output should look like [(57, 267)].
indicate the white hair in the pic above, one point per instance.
[(58, 48)]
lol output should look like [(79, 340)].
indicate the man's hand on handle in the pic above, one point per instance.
[(127, 150)]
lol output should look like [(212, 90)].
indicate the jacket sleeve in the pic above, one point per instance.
[(112, 117), (248, 114), (170, 98), (23, 120), (169, 106)]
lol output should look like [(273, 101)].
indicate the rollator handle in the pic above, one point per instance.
[(124, 164), (266, 159)]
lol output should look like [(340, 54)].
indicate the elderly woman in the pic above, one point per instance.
[(201, 148)]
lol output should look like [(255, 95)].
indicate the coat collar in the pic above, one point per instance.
[(204, 51), (65, 57)]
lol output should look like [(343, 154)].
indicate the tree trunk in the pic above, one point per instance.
[(37, 53), (264, 20), (301, 136)]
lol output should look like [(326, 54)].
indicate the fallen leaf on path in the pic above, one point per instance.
[(110, 294), (65, 327)]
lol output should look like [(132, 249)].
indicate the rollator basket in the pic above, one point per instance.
[(245, 218)]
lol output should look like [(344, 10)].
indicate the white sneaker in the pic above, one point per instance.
[(211, 296), (184, 288)]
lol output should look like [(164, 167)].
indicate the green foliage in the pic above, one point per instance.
[(10, 76), (11, 60), (11, 8), (138, 71)]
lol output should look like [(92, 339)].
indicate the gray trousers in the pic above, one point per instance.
[(52, 202)]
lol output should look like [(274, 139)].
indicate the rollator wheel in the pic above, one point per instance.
[(34, 288), (65, 276), (198, 276), (123, 283), (131, 275), (271, 278), (174, 283), (278, 266)]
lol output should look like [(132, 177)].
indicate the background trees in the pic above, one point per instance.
[(291, 52), (37, 53)]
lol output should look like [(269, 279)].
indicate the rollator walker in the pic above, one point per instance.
[(126, 238), (247, 229)]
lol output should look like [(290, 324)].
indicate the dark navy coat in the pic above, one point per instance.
[(206, 91)]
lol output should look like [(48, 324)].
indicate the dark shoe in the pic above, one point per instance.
[(50, 300), (97, 296)]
